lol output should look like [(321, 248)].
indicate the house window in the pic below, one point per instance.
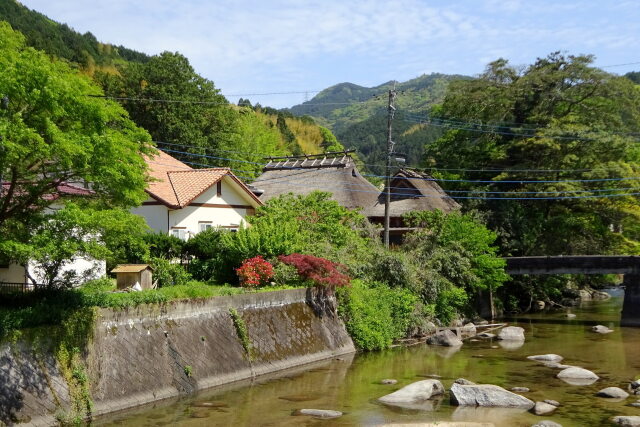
[(204, 225), (219, 188), (180, 233)]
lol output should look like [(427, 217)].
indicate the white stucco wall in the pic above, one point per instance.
[(155, 215), (13, 274)]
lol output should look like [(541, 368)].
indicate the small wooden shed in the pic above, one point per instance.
[(127, 275)]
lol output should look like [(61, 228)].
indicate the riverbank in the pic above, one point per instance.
[(151, 352), (354, 387)]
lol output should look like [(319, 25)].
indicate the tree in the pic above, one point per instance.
[(572, 123), (182, 107), (53, 131)]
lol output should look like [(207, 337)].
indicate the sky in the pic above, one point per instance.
[(255, 47)]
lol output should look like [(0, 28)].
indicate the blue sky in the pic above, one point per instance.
[(295, 45)]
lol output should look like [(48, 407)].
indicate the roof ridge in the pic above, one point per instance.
[(200, 170)]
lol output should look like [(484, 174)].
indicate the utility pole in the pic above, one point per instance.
[(387, 187)]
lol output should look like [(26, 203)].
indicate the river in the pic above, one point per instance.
[(351, 384)]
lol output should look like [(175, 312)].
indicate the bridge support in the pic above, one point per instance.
[(631, 306)]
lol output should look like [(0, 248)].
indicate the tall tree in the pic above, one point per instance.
[(174, 104), (53, 132), (561, 115)]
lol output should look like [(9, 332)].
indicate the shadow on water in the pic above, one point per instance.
[(354, 386)]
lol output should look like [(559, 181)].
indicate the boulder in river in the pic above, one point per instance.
[(468, 330), (546, 357), (570, 316), (520, 389), (445, 338), (557, 365), (613, 393), (601, 329), (577, 376), (420, 390), (511, 333), (389, 381), (543, 408), (627, 421), (318, 413), (463, 381), (487, 395), (552, 402), (546, 423)]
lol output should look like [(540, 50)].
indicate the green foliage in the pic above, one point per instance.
[(375, 315), (168, 273), (450, 303), (188, 371), (243, 333), (634, 76), (163, 245)]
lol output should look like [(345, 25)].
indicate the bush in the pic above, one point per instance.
[(375, 315), (162, 245), (317, 271), (254, 272), (450, 303), (167, 273)]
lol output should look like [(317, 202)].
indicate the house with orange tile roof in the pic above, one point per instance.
[(184, 201)]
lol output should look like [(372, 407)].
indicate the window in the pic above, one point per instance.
[(204, 225), (180, 233)]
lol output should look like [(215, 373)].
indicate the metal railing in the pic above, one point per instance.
[(13, 287)]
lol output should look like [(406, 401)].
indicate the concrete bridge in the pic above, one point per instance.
[(589, 264)]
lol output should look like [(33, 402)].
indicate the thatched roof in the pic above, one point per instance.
[(414, 191), (338, 175)]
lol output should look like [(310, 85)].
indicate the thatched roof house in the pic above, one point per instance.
[(337, 174)]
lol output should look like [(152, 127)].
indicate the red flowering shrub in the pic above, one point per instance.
[(254, 272), (318, 271)]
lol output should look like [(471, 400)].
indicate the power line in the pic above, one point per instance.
[(517, 181), (462, 197)]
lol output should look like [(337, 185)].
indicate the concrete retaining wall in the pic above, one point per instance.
[(153, 352)]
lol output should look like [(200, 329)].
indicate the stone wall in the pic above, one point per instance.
[(152, 352)]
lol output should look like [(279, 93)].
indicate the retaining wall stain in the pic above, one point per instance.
[(151, 352)]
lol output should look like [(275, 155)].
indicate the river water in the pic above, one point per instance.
[(351, 383)]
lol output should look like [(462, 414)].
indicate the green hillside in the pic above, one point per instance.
[(357, 115), (61, 41)]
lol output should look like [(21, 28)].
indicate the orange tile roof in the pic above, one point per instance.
[(176, 184)]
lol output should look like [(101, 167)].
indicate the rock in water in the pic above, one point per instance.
[(463, 381), (319, 413), (468, 330), (577, 376), (420, 390), (511, 333), (552, 402), (627, 421), (546, 357), (542, 408), (570, 316), (601, 329), (546, 423), (520, 389), (389, 381), (487, 395), (445, 338), (613, 393)]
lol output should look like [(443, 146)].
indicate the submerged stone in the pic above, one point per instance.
[(543, 408), (601, 329), (511, 333), (613, 393), (318, 413), (388, 381), (546, 357), (627, 421)]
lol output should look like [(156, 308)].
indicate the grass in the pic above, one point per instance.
[(52, 307)]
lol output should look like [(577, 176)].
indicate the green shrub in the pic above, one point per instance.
[(162, 245), (375, 315), (167, 273), (450, 303)]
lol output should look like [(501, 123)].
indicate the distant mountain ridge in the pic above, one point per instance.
[(357, 115)]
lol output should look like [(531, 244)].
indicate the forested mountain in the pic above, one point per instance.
[(358, 116), (634, 76), (61, 41)]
